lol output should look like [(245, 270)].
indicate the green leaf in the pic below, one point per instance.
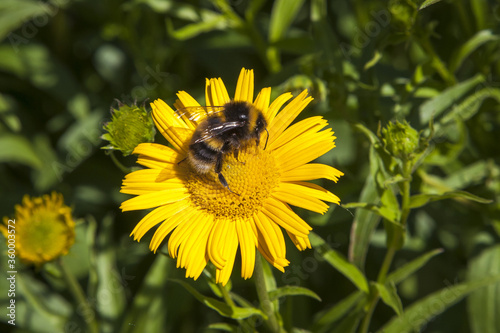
[(110, 281), (194, 29), (324, 320), (436, 106), (470, 106), (365, 221), (373, 61), (472, 174), (225, 327), (292, 291), (480, 38), (484, 303), (387, 214), (15, 13), (349, 323), (422, 311), (420, 200), (152, 295), (411, 267), (427, 3), (389, 296), (7, 113), (17, 149), (282, 16), (223, 309), (340, 263)]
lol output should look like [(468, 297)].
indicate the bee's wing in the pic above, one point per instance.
[(216, 130), (197, 113)]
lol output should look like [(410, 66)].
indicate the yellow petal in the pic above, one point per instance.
[(276, 106), (308, 126), (166, 227), (199, 256), (247, 247), (230, 246), (150, 180), (271, 234), (288, 114), (283, 215), (305, 195), (262, 101), (174, 129), (155, 199), (185, 100), (214, 248), (216, 92), (182, 232), (300, 200), (304, 149), (245, 86), (311, 171), (156, 216), (190, 246), (302, 243), (153, 155)]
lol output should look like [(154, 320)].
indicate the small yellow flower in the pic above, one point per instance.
[(208, 222), (44, 228)]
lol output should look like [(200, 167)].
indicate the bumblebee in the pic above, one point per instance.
[(225, 130)]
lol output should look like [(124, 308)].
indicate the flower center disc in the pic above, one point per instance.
[(251, 177)]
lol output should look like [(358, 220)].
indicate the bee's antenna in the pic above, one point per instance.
[(267, 138)]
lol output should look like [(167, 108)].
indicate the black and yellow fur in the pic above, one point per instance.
[(223, 133)]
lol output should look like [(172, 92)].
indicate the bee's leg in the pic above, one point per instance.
[(218, 171), (236, 150), (182, 160)]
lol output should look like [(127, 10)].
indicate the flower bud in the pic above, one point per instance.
[(400, 139), (129, 126)]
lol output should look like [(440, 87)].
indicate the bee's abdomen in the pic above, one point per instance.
[(202, 156)]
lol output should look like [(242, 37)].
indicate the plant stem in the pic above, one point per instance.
[(389, 256), (225, 294), (391, 251), (83, 307), (118, 163), (265, 303)]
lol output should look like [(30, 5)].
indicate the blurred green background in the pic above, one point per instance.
[(64, 63)]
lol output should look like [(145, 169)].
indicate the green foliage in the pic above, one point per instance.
[(411, 88)]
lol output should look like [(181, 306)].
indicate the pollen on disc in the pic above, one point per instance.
[(251, 177)]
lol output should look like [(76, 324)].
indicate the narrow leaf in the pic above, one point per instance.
[(420, 312), (282, 16), (224, 327), (389, 296), (388, 215), (436, 106), (336, 312), (292, 291), (470, 106), (420, 200), (484, 303), (427, 3), (480, 38), (411, 267), (223, 309), (16, 148), (340, 263)]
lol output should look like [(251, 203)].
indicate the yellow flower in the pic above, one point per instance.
[(207, 221), (44, 229)]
